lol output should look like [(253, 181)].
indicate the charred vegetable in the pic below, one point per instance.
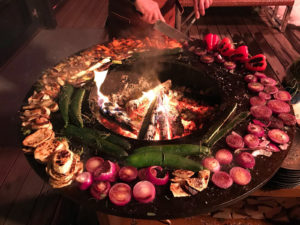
[(75, 107), (64, 102), (90, 138)]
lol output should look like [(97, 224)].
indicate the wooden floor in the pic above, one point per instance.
[(24, 197)]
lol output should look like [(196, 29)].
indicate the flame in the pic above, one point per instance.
[(99, 79)]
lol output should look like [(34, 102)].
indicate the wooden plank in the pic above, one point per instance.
[(25, 200), (293, 37), (290, 193), (273, 61), (45, 207), (78, 14), (8, 157), (88, 14), (12, 186)]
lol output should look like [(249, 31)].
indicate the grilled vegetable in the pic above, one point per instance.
[(183, 149), (226, 48), (240, 54), (235, 121), (64, 102), (217, 126), (145, 159), (212, 41), (113, 139), (90, 138), (256, 63), (75, 107)]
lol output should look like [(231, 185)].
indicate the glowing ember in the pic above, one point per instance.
[(161, 113)]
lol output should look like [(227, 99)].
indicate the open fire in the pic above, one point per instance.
[(161, 113)]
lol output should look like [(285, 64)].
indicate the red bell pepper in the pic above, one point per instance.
[(226, 48), (256, 63), (212, 41), (240, 54)]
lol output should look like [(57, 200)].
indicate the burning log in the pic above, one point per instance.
[(147, 119), (117, 114)]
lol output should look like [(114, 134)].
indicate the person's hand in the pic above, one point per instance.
[(200, 6), (150, 10)]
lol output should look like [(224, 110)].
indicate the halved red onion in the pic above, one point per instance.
[(251, 140), (283, 96), (151, 175), (224, 156), (256, 129), (261, 112), (144, 192), (240, 175), (100, 189), (128, 173), (278, 136), (229, 65), (211, 164), (264, 95), (106, 172), (288, 119), (222, 179), (245, 160), (84, 180), (93, 163), (235, 141), (260, 75), (260, 123), (207, 59), (271, 89), (278, 106), (255, 86), (120, 194), (256, 100), (276, 123), (268, 81), (250, 78)]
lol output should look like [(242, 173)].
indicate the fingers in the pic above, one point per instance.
[(196, 9), (201, 7)]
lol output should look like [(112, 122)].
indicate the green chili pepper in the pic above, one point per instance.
[(75, 107), (180, 149), (64, 102)]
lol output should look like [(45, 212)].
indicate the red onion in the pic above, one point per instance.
[(278, 136), (268, 81), (260, 75), (152, 175), (258, 122), (120, 194), (270, 89), (283, 96), (100, 189), (144, 191), (222, 179), (211, 164), (288, 119), (256, 100), (93, 163), (224, 156), (251, 140), (128, 173), (261, 112), (272, 148), (235, 141), (256, 130), (264, 95), (106, 172), (278, 106), (245, 160), (250, 78), (240, 175), (255, 86), (84, 180)]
